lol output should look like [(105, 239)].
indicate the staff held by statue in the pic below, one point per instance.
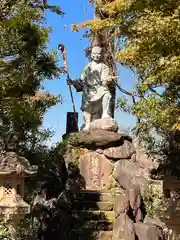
[(72, 118)]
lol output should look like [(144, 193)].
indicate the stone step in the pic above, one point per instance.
[(101, 235), (98, 196), (94, 215), (103, 206), (91, 226)]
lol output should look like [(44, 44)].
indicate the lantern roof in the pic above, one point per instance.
[(11, 162)]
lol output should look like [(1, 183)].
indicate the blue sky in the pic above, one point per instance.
[(76, 12)]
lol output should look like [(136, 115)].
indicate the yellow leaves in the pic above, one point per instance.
[(149, 37), (41, 96), (89, 23), (176, 127), (117, 6), (74, 28), (129, 54), (166, 68), (155, 23), (94, 25), (160, 112)]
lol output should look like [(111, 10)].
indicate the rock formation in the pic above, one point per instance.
[(110, 162)]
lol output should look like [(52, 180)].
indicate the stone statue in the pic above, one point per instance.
[(94, 82)]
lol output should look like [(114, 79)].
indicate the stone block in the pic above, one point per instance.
[(102, 206), (121, 204), (154, 221), (127, 174), (97, 195), (144, 161), (124, 151), (134, 195), (96, 170), (139, 216), (95, 215), (97, 139), (107, 124), (135, 200), (123, 228), (147, 231)]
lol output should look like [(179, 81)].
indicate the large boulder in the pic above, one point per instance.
[(124, 151), (134, 197), (163, 230), (121, 204), (135, 201), (96, 170), (154, 221), (123, 228), (97, 139), (144, 161), (148, 231), (127, 174)]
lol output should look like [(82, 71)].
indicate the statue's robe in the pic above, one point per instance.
[(94, 84)]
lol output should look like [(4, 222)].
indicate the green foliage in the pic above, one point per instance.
[(153, 199), (27, 229), (6, 226), (112, 183), (77, 153), (147, 37), (24, 65), (122, 103), (4, 231)]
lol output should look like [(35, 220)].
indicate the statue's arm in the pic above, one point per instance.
[(77, 83), (105, 76)]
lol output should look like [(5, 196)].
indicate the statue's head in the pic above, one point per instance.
[(96, 53)]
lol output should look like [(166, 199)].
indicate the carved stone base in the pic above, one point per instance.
[(107, 124)]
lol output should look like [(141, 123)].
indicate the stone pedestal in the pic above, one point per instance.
[(103, 150), (109, 162)]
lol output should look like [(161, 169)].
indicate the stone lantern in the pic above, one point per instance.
[(13, 169)]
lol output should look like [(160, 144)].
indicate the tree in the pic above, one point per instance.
[(24, 65), (147, 37)]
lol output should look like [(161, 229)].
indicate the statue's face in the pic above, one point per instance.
[(96, 54)]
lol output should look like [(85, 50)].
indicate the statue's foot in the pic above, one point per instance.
[(106, 116)]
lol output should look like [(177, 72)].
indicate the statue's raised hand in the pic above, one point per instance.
[(76, 83)]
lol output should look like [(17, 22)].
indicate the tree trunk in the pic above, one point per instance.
[(101, 39)]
